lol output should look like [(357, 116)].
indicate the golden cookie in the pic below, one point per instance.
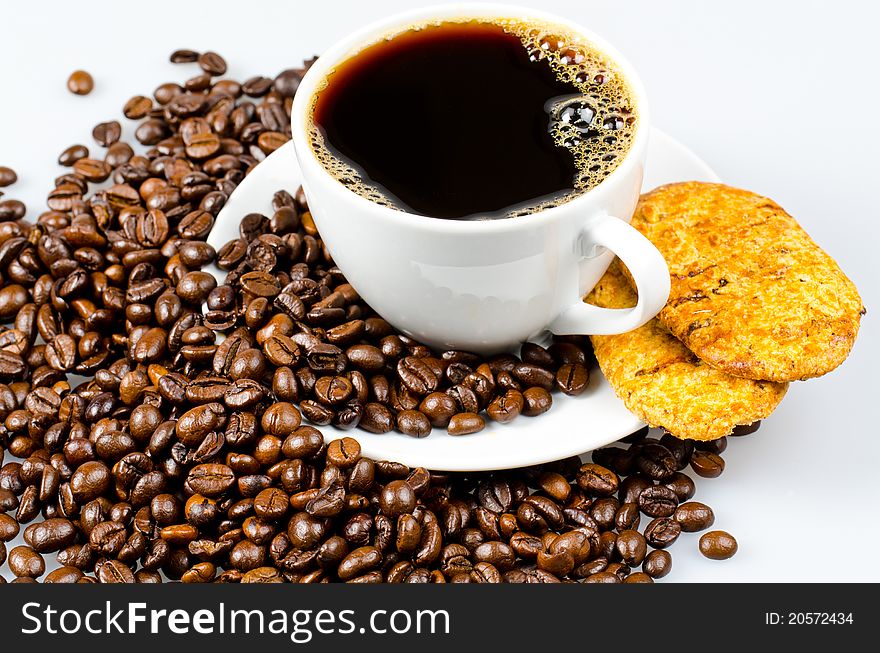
[(752, 294), (664, 384)]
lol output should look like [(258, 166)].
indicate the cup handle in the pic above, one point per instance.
[(647, 267)]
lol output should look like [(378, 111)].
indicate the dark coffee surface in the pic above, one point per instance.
[(449, 121)]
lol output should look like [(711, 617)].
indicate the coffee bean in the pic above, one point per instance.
[(438, 408), (532, 375), (716, 545), (64, 575), (627, 517), (281, 419), (377, 418), (212, 63), (707, 464), (572, 379), (603, 577), (656, 461), (50, 535), (194, 286), (506, 407), (24, 561), (396, 499), (107, 133), (537, 401), (413, 423), (13, 297), (184, 56), (498, 554), (358, 562), (682, 485), (694, 516), (658, 501), (718, 446), (92, 170), (681, 450), (73, 154), (597, 480), (631, 547), (211, 479), (465, 399), (137, 107), (8, 527), (657, 564), (333, 390), (287, 82), (89, 481), (662, 532), (344, 452), (417, 375), (80, 83), (7, 176), (465, 424)]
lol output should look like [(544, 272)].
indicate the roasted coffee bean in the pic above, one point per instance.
[(694, 516), (50, 535), (572, 378), (597, 480), (89, 481), (8, 527), (438, 408), (80, 82), (627, 517), (707, 464), (73, 154), (656, 462), (137, 107), (718, 446), (658, 501), (377, 418), (7, 176), (333, 390), (717, 545), (506, 407), (417, 375), (281, 419), (465, 424), (657, 564), (212, 63), (682, 485), (532, 375), (413, 423), (631, 547), (537, 401), (344, 452), (107, 133), (662, 532), (396, 499), (211, 479)]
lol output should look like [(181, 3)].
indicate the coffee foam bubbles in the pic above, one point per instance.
[(596, 123)]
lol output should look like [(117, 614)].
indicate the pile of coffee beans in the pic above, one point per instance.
[(290, 315), (145, 445)]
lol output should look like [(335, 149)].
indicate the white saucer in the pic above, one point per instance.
[(573, 426)]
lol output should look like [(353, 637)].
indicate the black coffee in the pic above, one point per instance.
[(474, 120)]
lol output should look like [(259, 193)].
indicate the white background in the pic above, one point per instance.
[(778, 97)]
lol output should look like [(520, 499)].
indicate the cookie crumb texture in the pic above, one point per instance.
[(752, 294)]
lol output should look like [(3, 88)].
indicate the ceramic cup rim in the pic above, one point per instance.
[(358, 40)]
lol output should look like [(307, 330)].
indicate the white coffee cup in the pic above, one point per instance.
[(481, 286)]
